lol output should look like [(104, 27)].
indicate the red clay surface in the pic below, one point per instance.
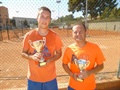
[(13, 68)]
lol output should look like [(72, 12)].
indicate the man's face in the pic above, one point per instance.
[(79, 33), (43, 19)]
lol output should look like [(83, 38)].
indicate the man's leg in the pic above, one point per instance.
[(69, 88), (51, 85), (34, 85)]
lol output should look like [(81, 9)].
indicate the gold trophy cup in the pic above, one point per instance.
[(82, 65), (38, 46)]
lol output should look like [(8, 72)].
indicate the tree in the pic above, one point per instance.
[(76, 5), (66, 18), (118, 13), (113, 14), (105, 13), (95, 7)]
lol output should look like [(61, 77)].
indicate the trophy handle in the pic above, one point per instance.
[(44, 39), (87, 64), (74, 59), (31, 44)]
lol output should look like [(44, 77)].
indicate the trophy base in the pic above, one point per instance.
[(79, 79), (42, 64)]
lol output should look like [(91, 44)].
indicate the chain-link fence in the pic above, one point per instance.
[(13, 68)]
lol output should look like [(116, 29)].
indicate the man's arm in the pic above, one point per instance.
[(66, 68), (29, 56), (25, 54), (96, 69), (86, 73), (56, 56)]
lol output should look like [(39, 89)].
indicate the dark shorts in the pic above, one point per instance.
[(51, 85), (69, 88)]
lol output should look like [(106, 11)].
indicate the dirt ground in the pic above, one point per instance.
[(13, 68)]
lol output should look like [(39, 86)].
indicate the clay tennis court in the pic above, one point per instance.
[(13, 68)]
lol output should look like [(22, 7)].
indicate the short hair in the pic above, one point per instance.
[(44, 8), (81, 23)]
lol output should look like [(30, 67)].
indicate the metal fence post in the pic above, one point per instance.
[(118, 72)]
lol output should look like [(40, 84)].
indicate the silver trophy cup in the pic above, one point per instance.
[(38, 46), (82, 65)]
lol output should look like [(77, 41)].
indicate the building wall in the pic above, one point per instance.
[(20, 20), (4, 16), (108, 26)]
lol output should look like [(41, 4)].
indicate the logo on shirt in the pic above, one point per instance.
[(45, 51)]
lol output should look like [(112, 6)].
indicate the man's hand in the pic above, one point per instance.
[(37, 56), (84, 74), (74, 76)]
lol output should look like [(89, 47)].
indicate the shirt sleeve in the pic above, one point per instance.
[(58, 42), (25, 42), (66, 56), (100, 57)]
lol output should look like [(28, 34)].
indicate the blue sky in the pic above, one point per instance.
[(29, 8)]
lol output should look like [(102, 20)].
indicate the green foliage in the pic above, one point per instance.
[(118, 13), (97, 12), (105, 13), (65, 19), (95, 7), (114, 14)]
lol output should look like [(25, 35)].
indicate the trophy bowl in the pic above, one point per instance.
[(82, 64), (38, 45)]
